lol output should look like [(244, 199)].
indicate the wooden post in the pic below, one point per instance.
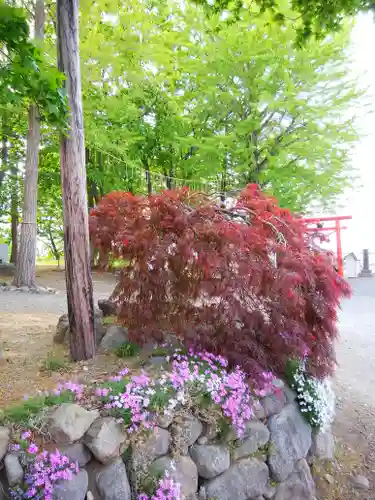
[(73, 177)]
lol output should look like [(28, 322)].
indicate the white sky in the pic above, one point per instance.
[(360, 203)]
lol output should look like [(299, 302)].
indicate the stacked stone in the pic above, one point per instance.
[(269, 461)]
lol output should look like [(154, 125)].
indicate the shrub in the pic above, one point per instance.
[(240, 282)]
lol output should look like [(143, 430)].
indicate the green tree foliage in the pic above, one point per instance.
[(25, 74), (312, 17), (166, 91)]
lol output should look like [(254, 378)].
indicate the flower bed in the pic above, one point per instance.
[(196, 430)]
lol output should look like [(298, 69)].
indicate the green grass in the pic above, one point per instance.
[(127, 350), (110, 320), (160, 351), (54, 364), (21, 413)]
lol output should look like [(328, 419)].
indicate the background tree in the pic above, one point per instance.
[(316, 17), (217, 108), (26, 259)]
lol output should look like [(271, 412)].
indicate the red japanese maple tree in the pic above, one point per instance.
[(241, 282)]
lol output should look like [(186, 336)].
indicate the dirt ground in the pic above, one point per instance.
[(27, 325), (26, 336)]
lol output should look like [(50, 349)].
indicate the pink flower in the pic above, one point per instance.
[(33, 448)]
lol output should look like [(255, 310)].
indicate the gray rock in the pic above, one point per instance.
[(246, 479), (186, 431), (13, 469), (211, 460), (258, 436), (107, 307), (74, 489), (115, 336), (270, 492), (77, 452), (273, 403), (323, 445), (290, 395), (259, 413), (62, 329), (164, 420), (290, 440), (4, 441), (182, 470), (104, 439), (203, 440), (69, 422), (156, 445), (112, 482), (298, 486), (361, 482), (329, 478), (89, 496), (251, 427)]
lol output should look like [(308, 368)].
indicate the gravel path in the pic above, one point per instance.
[(32, 303), (18, 302)]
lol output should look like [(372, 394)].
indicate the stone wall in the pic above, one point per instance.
[(270, 461)]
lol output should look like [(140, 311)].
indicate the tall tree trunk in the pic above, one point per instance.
[(73, 176), (148, 176), (223, 181), (14, 219), (4, 148), (26, 258)]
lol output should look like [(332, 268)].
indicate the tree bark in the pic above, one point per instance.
[(148, 176), (4, 149), (14, 221), (73, 176), (26, 258)]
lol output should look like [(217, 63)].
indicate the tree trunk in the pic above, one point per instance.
[(148, 176), (74, 193), (4, 149), (14, 221), (223, 181), (26, 258)]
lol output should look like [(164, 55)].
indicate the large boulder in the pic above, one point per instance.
[(211, 460), (290, 440), (13, 469), (155, 445), (104, 439), (246, 479), (112, 482), (257, 437), (114, 337), (273, 403), (186, 431), (181, 469), (298, 486), (69, 422), (4, 441), (77, 453), (62, 329), (73, 489), (323, 445), (107, 307)]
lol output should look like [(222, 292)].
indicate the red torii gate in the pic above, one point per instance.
[(337, 228)]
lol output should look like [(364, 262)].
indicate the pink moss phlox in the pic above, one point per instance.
[(167, 489), (43, 471)]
